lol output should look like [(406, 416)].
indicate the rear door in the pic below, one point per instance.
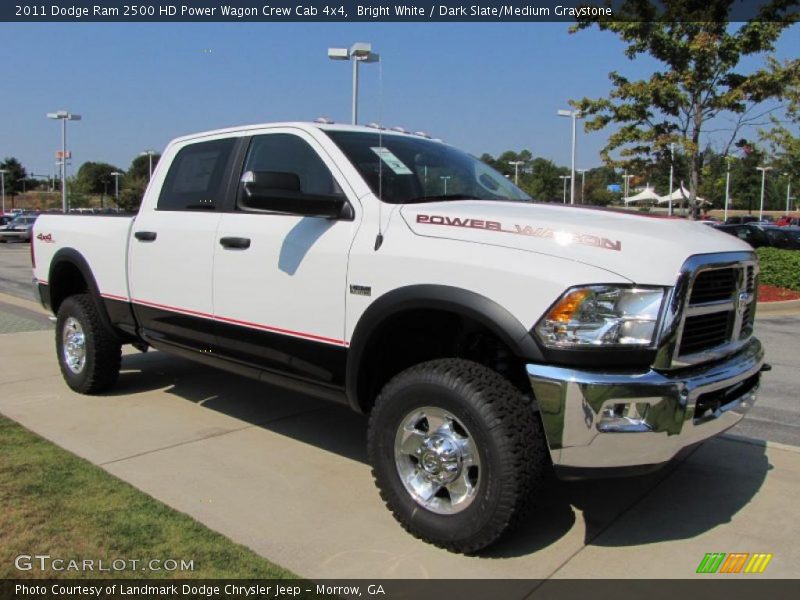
[(279, 279), (172, 246)]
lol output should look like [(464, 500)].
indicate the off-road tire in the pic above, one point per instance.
[(103, 353), (510, 442)]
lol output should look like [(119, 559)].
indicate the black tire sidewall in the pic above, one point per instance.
[(474, 519), (72, 308)]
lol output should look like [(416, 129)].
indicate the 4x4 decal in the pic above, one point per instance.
[(562, 237)]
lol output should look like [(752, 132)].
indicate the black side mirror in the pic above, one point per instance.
[(280, 192)]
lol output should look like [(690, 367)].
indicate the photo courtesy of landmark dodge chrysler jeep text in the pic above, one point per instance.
[(487, 337)]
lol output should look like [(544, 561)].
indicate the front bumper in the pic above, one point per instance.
[(602, 420)]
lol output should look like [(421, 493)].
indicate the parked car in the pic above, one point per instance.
[(489, 338), (762, 234), (787, 220), (5, 220), (18, 229), (741, 219), (753, 236)]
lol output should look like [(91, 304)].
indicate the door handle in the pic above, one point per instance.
[(238, 243), (145, 236)]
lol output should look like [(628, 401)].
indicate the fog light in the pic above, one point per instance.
[(624, 418)]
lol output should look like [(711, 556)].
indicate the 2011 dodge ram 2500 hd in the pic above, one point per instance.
[(486, 336)]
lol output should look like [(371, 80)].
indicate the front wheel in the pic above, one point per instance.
[(88, 354), (457, 452)]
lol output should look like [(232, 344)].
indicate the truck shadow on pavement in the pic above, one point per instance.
[(701, 490)]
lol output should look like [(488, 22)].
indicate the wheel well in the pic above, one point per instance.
[(418, 335), (65, 280)]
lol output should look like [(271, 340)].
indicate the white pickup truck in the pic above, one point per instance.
[(487, 337)]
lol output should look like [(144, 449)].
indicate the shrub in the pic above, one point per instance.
[(780, 267)]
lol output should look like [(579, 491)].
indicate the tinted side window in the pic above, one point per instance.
[(288, 154), (196, 177)]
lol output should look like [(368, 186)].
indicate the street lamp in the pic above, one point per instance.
[(64, 116), (574, 115), (358, 53), (627, 179), (788, 191), (565, 177), (583, 181), (671, 166), (116, 175), (445, 178), (516, 164), (3, 179), (149, 154), (763, 179), (727, 188)]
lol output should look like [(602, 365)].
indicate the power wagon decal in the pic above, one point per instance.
[(562, 237)]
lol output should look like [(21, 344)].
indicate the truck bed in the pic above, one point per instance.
[(101, 240)]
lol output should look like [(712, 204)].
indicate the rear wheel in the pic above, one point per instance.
[(88, 354), (457, 452)]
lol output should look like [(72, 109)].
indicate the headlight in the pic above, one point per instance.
[(602, 315)]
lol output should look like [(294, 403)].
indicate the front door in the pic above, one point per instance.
[(279, 280)]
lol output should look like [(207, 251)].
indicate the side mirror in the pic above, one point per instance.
[(280, 192)]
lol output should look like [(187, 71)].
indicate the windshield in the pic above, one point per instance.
[(404, 170)]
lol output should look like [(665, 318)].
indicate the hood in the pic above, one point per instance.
[(645, 250)]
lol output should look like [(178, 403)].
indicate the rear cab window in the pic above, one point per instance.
[(197, 176)]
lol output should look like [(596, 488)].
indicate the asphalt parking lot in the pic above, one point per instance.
[(288, 477)]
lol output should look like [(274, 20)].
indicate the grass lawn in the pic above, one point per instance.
[(52, 502)]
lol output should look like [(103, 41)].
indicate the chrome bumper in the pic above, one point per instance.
[(601, 420)]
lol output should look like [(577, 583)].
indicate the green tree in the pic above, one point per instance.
[(783, 142), (131, 194), (700, 51), (96, 178), (14, 176), (140, 167)]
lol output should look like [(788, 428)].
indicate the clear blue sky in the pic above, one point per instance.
[(483, 87)]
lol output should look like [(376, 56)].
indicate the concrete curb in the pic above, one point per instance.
[(732, 437), (23, 303), (783, 307)]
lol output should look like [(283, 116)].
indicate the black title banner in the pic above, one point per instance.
[(394, 589), (376, 10)]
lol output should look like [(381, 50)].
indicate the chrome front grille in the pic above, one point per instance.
[(719, 312), (702, 332), (709, 312)]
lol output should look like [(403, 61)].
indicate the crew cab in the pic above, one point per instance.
[(488, 337)]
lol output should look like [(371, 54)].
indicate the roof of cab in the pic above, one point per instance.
[(306, 125)]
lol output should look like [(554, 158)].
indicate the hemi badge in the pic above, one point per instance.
[(360, 290)]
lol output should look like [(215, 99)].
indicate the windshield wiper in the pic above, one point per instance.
[(440, 198)]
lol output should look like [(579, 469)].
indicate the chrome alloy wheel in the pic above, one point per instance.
[(437, 460), (74, 345)]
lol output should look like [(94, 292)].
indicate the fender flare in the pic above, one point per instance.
[(466, 303), (76, 259)]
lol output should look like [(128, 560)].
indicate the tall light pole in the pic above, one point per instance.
[(445, 178), (516, 164), (3, 179), (727, 189), (358, 53), (149, 154), (64, 116), (788, 191), (671, 166), (116, 175), (763, 179), (583, 181), (574, 115), (565, 177), (627, 179)]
